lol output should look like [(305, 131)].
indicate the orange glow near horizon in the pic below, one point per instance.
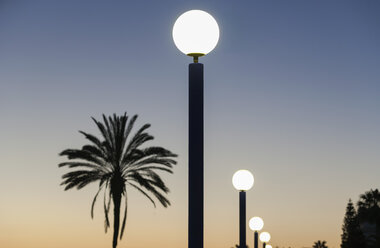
[(59, 219)]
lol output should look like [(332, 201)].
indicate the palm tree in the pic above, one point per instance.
[(369, 216), (369, 206), (117, 161), (320, 244)]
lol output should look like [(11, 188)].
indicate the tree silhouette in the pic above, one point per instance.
[(352, 236), (117, 161), (369, 206), (369, 213), (320, 244)]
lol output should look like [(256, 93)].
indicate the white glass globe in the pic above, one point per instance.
[(268, 246), (264, 237), (256, 224), (195, 32), (243, 180)]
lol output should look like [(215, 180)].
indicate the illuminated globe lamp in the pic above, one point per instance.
[(242, 180), (264, 238), (268, 246), (256, 224), (195, 33)]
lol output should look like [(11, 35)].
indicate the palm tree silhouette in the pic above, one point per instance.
[(369, 206), (118, 161), (320, 244), (369, 216)]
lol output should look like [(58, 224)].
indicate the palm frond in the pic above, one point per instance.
[(110, 134), (125, 215), (160, 197), (85, 165), (155, 160), (82, 155), (106, 208), (128, 130), (118, 128), (97, 143), (163, 200), (151, 185), (158, 151), (138, 139), (95, 151), (144, 193), (80, 178), (94, 200), (107, 143), (136, 155), (156, 180), (154, 168)]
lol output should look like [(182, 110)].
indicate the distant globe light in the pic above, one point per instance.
[(243, 180), (256, 224), (195, 32), (264, 237), (268, 246)]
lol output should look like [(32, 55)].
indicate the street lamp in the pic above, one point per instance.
[(264, 238), (242, 180), (195, 33), (256, 224)]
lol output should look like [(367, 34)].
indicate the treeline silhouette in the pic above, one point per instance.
[(361, 224)]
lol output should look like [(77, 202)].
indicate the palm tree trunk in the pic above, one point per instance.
[(116, 196)]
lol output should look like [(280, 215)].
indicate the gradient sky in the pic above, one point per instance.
[(292, 93)]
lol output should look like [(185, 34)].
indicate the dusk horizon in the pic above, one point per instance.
[(291, 94)]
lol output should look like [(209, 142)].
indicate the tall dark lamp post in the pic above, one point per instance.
[(195, 33), (256, 224), (242, 180), (264, 238)]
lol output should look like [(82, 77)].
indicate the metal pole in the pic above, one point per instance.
[(242, 219), (264, 244), (195, 156), (256, 239)]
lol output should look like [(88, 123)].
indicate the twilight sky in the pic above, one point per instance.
[(292, 93)]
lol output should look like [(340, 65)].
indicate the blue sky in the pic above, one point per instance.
[(292, 93)]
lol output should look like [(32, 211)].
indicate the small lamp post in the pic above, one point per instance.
[(256, 224), (242, 180), (264, 238), (195, 33)]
